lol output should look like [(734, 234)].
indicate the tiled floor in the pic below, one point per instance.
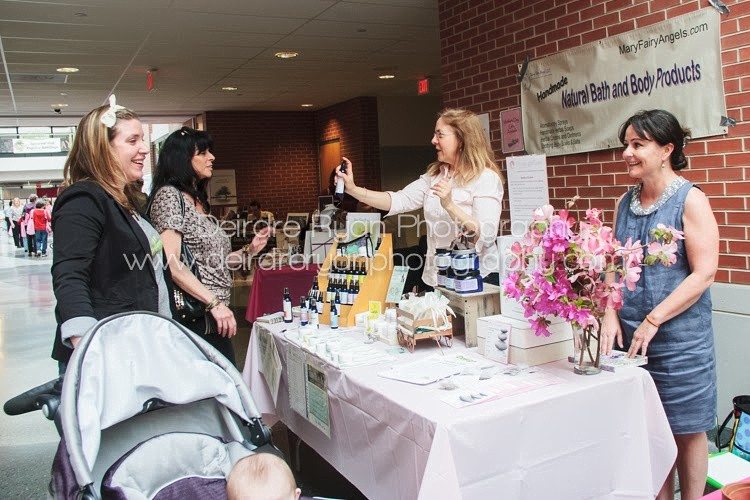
[(27, 325), (28, 442)]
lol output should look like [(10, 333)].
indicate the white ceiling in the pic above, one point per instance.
[(198, 46)]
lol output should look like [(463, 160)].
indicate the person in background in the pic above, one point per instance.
[(41, 218), (668, 316), (16, 216), (27, 229), (30, 205), (98, 232), (262, 476), (461, 192), (181, 213)]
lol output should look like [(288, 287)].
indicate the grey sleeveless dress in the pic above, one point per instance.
[(681, 356)]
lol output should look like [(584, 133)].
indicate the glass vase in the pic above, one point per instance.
[(586, 357)]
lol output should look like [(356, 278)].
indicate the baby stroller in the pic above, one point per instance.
[(148, 410)]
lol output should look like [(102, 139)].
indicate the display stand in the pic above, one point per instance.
[(471, 306), (375, 286)]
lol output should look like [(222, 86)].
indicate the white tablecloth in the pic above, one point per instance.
[(602, 436)]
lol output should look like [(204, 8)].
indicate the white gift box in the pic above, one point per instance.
[(523, 346)]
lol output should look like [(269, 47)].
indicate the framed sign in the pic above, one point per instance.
[(511, 130), (222, 189)]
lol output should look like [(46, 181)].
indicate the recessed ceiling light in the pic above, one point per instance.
[(386, 77), (306, 105), (81, 14), (361, 30), (228, 88), (60, 105), (286, 54), (63, 93), (67, 70)]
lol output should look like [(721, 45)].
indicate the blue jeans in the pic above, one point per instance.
[(41, 241)]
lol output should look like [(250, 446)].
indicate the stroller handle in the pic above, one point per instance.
[(45, 397)]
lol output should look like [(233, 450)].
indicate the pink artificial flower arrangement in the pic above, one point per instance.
[(576, 269)]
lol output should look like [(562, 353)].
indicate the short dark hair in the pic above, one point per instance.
[(663, 128), (175, 168)]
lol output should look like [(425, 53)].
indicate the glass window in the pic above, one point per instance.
[(8, 131), (34, 130)]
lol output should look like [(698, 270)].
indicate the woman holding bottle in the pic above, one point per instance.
[(461, 192)]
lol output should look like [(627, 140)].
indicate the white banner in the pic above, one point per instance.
[(576, 101), (49, 145)]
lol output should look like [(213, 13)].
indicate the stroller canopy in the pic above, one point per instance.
[(131, 363)]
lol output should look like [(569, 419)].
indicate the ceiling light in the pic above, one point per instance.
[(286, 54), (229, 88), (67, 70), (386, 77), (306, 105), (63, 93), (61, 105), (81, 14)]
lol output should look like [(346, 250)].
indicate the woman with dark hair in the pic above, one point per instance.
[(668, 316), (98, 232), (180, 212)]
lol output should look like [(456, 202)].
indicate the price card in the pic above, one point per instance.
[(396, 285)]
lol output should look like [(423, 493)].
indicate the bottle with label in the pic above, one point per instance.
[(287, 306), (352, 292), (329, 290), (313, 311), (304, 313), (319, 302), (344, 292), (334, 316), (449, 278), (340, 182), (314, 289)]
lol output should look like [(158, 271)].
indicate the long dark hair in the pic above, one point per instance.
[(663, 127), (175, 168)]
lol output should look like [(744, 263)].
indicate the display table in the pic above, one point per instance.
[(602, 436), (266, 293)]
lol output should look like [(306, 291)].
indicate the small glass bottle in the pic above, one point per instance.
[(287, 306), (304, 316)]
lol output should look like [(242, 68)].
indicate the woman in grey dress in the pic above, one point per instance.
[(668, 316)]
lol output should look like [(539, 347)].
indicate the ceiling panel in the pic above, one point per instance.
[(197, 47)]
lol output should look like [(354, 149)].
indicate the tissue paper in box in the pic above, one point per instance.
[(525, 346)]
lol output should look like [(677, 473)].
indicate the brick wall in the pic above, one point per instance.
[(355, 124), (482, 41), (275, 154)]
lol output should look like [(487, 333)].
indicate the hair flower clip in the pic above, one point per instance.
[(109, 117)]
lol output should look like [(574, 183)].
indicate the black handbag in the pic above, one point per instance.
[(188, 309)]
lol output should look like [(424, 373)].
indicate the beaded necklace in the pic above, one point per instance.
[(635, 200)]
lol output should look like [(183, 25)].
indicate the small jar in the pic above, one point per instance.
[(443, 258), (468, 282), (449, 276), (441, 274), (465, 260)]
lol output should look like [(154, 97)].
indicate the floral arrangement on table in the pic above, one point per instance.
[(576, 269)]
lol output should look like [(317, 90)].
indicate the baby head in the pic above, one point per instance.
[(262, 476)]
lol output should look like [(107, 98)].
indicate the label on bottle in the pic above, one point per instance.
[(334, 320), (467, 285), (442, 260), (440, 280), (303, 317), (449, 283), (287, 311), (467, 262)]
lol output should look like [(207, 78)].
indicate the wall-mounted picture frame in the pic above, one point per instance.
[(222, 189)]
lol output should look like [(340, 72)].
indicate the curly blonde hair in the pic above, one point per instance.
[(475, 153), (92, 157)]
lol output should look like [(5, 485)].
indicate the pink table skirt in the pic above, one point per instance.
[(268, 286)]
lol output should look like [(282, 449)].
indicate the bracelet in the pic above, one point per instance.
[(215, 302), (648, 318)]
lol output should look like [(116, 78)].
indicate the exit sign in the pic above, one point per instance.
[(423, 86)]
